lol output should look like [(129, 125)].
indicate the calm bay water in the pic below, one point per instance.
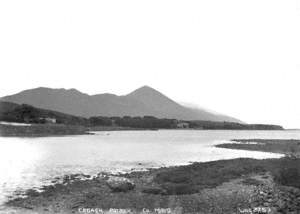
[(33, 162)]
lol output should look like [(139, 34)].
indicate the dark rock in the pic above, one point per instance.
[(28, 206), (77, 204), (154, 190), (91, 195), (32, 193), (120, 184), (87, 176)]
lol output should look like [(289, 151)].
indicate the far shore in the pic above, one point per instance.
[(48, 130), (224, 186)]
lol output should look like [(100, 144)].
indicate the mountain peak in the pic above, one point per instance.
[(145, 87), (144, 90)]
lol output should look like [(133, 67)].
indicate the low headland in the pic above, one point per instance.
[(41, 130), (226, 186), (288, 147)]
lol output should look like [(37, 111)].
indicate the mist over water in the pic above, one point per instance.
[(33, 162)]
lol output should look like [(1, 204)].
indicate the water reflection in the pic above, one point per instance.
[(17, 158)]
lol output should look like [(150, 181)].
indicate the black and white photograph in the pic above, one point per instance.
[(149, 107)]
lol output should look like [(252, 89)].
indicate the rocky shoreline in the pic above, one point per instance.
[(225, 186)]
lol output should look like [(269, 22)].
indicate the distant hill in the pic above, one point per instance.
[(144, 101)]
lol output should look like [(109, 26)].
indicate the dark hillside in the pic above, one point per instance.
[(11, 112)]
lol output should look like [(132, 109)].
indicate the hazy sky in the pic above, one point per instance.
[(241, 58)]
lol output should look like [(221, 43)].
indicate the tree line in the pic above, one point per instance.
[(11, 112)]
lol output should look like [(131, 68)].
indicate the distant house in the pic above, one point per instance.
[(183, 125), (48, 119)]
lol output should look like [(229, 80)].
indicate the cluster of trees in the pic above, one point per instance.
[(146, 122), (100, 121), (150, 122)]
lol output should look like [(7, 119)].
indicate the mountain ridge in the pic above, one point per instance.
[(144, 101)]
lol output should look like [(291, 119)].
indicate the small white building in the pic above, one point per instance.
[(48, 119)]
